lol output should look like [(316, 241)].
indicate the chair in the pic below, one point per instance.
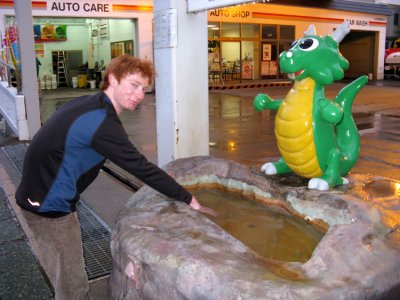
[(228, 71), (235, 70), (215, 72)]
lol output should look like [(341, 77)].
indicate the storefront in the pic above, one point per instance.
[(244, 42), (79, 38)]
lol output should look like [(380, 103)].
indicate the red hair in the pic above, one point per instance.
[(124, 65)]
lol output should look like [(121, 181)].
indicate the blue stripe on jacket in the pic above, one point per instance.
[(78, 158)]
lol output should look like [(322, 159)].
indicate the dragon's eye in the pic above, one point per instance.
[(308, 44)]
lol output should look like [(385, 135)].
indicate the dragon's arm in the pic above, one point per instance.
[(263, 101), (330, 111)]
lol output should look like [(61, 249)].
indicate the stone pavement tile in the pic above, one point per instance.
[(20, 276), (10, 231), (4, 211)]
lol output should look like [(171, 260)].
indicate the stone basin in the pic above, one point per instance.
[(162, 249)]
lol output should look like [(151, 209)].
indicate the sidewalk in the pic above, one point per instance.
[(21, 276)]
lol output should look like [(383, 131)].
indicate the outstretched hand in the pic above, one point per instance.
[(261, 102), (194, 204)]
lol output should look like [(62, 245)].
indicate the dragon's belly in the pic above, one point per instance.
[(294, 130)]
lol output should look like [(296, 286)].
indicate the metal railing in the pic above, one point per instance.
[(11, 75)]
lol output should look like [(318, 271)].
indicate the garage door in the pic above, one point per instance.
[(358, 47)]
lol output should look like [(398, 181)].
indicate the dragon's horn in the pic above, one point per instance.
[(310, 30), (340, 32)]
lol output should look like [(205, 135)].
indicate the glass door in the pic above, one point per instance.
[(231, 60)]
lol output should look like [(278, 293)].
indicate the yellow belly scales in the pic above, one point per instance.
[(294, 130)]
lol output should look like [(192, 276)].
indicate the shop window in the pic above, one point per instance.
[(396, 20), (230, 30), (213, 46), (287, 32), (213, 30), (122, 47), (230, 62), (250, 31), (269, 31), (283, 46)]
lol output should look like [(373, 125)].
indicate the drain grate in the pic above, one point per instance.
[(95, 233), (96, 242)]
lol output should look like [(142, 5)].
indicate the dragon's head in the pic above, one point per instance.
[(316, 57)]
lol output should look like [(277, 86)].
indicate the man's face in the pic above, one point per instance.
[(129, 92)]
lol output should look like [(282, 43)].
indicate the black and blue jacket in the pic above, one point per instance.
[(67, 153)]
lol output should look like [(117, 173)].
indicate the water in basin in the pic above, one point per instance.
[(265, 230)]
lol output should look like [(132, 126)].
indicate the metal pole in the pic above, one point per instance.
[(23, 13)]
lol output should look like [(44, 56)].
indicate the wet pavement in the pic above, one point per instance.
[(247, 136), (239, 133)]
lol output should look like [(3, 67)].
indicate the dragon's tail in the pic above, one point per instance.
[(348, 139)]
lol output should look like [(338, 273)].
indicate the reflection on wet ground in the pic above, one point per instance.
[(383, 188), (239, 133), (384, 194), (271, 234)]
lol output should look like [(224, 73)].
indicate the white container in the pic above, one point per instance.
[(92, 84), (75, 82), (54, 84), (53, 77), (48, 84)]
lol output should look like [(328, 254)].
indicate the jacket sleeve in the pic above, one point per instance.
[(112, 142)]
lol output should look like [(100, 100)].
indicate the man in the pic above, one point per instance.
[(66, 155)]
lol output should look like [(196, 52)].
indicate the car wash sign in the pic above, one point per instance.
[(201, 5)]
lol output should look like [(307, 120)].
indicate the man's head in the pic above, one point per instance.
[(125, 81), (124, 65)]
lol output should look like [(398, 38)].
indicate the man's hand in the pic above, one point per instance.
[(194, 204)]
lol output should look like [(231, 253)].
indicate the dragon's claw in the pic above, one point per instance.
[(318, 184), (269, 169)]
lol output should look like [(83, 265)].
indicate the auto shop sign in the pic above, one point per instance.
[(201, 5)]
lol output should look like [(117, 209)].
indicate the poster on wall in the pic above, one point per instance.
[(39, 49), (264, 68), (273, 68), (12, 43), (269, 68), (247, 69), (50, 33), (216, 57), (266, 54), (166, 28)]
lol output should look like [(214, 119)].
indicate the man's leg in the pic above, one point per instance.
[(61, 254)]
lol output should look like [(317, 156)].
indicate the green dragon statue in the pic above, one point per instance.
[(317, 137)]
